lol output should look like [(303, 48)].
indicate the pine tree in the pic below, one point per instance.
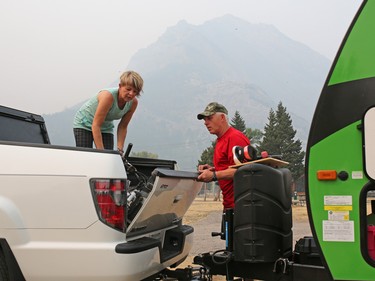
[(270, 135), (255, 136), (238, 122), (207, 155), (279, 140)]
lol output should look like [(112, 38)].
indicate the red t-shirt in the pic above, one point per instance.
[(223, 158)]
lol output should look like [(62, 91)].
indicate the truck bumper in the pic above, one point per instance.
[(93, 261)]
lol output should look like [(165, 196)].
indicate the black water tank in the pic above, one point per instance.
[(262, 213)]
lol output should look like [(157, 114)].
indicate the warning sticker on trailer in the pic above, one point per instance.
[(338, 200), (357, 175), (338, 215), (338, 208), (338, 231)]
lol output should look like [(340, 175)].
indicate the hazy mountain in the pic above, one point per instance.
[(247, 67)]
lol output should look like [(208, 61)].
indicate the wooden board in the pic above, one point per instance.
[(273, 162)]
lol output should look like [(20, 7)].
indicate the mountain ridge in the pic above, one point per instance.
[(247, 67)]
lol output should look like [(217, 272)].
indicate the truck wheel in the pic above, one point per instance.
[(4, 276)]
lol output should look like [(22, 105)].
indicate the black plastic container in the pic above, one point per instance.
[(262, 214), (306, 252)]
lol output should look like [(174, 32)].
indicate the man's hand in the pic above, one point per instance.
[(205, 167), (206, 173)]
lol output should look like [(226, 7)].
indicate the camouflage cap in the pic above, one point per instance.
[(211, 109)]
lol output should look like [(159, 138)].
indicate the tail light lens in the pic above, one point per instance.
[(110, 201)]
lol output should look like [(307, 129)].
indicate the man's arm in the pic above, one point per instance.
[(208, 175), (225, 174)]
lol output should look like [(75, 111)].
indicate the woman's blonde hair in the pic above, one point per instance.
[(133, 79)]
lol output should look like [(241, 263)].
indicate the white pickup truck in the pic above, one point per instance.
[(70, 213)]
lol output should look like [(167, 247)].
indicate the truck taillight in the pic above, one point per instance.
[(110, 201)]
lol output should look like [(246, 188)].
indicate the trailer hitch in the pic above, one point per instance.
[(188, 273), (283, 262)]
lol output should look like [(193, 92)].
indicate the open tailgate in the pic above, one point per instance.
[(171, 196)]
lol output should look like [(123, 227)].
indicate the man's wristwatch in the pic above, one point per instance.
[(214, 178)]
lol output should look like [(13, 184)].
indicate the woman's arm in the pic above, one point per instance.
[(123, 125), (105, 101)]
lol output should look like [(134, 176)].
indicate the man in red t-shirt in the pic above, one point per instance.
[(215, 118)]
